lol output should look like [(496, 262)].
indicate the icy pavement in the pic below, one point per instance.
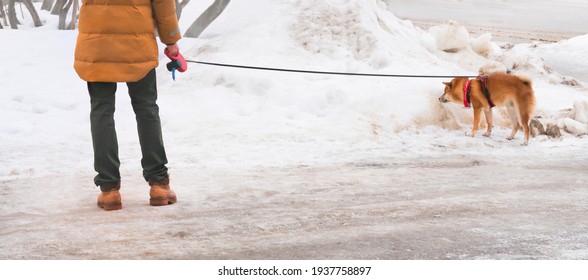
[(384, 204)]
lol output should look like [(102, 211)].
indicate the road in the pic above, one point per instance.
[(451, 207), (509, 20)]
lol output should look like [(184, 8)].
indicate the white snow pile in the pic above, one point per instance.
[(576, 122), (450, 37), (344, 36), (454, 37), (363, 36), (567, 57)]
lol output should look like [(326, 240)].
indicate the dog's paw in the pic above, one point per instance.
[(509, 138), (487, 134), (470, 134)]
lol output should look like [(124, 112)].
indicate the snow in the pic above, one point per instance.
[(282, 165), (567, 56), (450, 37)]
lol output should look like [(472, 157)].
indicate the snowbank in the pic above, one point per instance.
[(578, 124), (567, 57), (451, 37)]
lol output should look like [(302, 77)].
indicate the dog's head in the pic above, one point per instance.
[(453, 91)]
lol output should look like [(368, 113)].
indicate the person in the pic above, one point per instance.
[(117, 43)]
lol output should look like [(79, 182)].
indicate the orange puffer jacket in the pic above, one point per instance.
[(116, 40)]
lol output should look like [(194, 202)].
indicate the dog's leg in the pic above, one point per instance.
[(489, 121), (477, 117), (525, 106), (514, 119), (525, 118), (527, 131)]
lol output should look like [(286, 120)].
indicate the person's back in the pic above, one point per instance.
[(116, 42)]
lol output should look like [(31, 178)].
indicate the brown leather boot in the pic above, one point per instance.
[(161, 194), (110, 200)]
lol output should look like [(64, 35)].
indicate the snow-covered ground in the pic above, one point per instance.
[(281, 165)]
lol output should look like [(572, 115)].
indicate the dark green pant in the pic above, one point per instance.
[(143, 95)]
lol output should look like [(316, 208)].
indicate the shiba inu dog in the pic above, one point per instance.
[(496, 89)]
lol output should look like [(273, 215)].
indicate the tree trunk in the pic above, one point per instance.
[(33, 12), (12, 15), (180, 7), (58, 7), (47, 4), (184, 3), (74, 15), (63, 15), (2, 14), (206, 18)]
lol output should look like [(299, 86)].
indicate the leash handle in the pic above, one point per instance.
[(178, 61), (172, 67)]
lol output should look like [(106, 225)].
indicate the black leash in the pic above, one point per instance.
[(324, 72)]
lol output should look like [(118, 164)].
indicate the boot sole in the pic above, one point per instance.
[(110, 206), (161, 201)]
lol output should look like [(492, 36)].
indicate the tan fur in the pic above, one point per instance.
[(514, 92)]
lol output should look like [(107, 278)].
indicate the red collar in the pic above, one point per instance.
[(466, 93)]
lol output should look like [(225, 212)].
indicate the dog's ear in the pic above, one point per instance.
[(447, 84)]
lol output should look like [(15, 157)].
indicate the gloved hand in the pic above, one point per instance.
[(178, 62), (173, 49)]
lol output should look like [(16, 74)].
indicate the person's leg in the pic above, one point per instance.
[(106, 161), (143, 98)]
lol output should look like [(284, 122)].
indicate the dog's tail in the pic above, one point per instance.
[(526, 80)]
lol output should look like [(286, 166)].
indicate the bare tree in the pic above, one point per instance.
[(33, 12), (58, 7), (63, 14), (47, 4), (206, 18), (178, 9), (74, 15), (12, 15), (180, 6), (2, 14)]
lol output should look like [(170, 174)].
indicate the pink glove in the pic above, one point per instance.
[(178, 61)]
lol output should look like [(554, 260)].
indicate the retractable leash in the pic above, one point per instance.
[(325, 72), (178, 62)]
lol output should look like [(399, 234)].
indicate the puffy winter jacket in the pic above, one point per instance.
[(116, 40)]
